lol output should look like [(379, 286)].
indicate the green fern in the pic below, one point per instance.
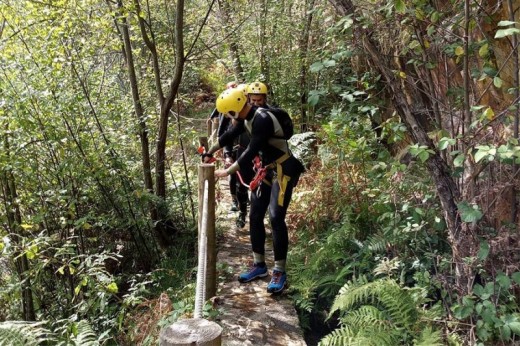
[(429, 337), (85, 335), (14, 333), (385, 293), (379, 313), (353, 337)]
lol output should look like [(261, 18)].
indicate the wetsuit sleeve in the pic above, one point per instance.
[(261, 130), (214, 114), (228, 137), (224, 125)]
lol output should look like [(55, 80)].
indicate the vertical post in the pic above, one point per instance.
[(213, 130), (207, 172), (195, 331), (198, 331)]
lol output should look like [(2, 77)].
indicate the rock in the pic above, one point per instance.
[(304, 147)]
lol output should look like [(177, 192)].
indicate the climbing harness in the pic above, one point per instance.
[(261, 173)]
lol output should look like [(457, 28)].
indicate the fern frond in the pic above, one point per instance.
[(367, 315), (346, 336), (351, 293), (397, 301), (378, 313), (376, 243), (429, 337), (13, 333), (342, 336), (85, 336), (399, 304)]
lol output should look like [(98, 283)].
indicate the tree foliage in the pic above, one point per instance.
[(413, 187)]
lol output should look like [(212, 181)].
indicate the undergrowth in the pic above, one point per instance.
[(369, 216)]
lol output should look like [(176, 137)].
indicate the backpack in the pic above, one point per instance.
[(283, 119)]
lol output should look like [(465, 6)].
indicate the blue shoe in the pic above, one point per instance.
[(278, 282), (255, 272)]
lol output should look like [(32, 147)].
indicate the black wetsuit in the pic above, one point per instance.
[(234, 151), (282, 177)]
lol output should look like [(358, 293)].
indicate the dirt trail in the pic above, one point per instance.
[(250, 315)]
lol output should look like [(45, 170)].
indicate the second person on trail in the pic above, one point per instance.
[(239, 192), (282, 171)]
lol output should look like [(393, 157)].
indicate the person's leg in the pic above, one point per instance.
[(277, 215), (242, 196), (233, 190), (259, 204)]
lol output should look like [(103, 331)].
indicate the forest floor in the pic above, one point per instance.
[(249, 315)]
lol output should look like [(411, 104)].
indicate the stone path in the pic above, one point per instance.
[(249, 315)]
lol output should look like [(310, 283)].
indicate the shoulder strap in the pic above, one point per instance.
[(278, 131), (249, 123)]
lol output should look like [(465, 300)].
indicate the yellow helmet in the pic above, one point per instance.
[(243, 87), (257, 88), (231, 102)]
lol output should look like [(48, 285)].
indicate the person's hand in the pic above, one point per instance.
[(221, 173), (228, 162), (207, 158)]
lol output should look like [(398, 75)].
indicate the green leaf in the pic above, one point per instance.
[(497, 82), (489, 114), (504, 281), (483, 252), (505, 23), (462, 312), (479, 291), (317, 67), (435, 16), (424, 155), (459, 160), (484, 50), (506, 32), (515, 327), (516, 277), (313, 99), (490, 71), (469, 213), (505, 332), (445, 141), (329, 63), (112, 288), (479, 155), (32, 251), (400, 6)]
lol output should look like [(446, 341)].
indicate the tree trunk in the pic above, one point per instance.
[(460, 236), (304, 47), (14, 221), (138, 108), (223, 16), (167, 104)]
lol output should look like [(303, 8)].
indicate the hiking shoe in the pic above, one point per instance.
[(234, 206), (278, 282), (254, 272), (241, 221)]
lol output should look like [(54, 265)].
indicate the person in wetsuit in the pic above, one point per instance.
[(282, 171)]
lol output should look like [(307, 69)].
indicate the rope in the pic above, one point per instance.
[(200, 292)]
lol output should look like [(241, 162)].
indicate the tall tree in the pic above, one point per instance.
[(304, 64), (224, 17), (165, 100), (461, 237), (14, 221)]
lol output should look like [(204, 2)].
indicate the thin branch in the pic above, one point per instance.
[(200, 29)]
